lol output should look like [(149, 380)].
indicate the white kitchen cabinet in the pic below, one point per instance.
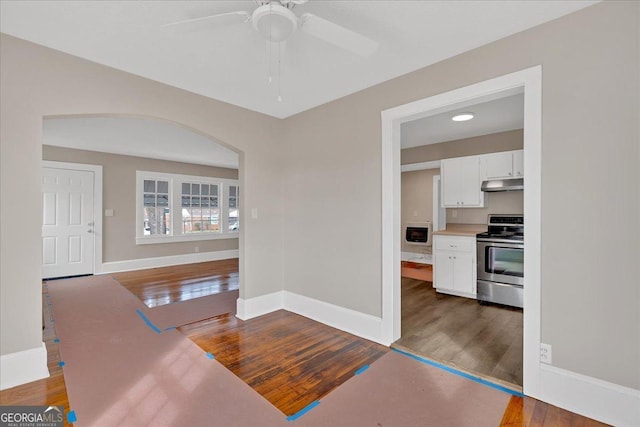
[(461, 182), (518, 164), (454, 265), (505, 165)]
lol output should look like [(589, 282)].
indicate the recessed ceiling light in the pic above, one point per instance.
[(462, 117)]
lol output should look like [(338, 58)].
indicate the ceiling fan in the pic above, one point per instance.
[(276, 22)]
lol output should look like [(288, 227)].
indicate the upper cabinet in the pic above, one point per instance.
[(461, 182), (509, 164)]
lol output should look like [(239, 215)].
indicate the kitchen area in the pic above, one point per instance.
[(463, 247)]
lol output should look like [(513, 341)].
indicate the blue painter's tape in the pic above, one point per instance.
[(361, 370), (170, 328), (210, 356), (147, 321), (71, 417), (56, 340), (61, 363), (460, 373), (303, 411)]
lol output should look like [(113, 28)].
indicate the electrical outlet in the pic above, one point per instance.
[(415, 214), (545, 353), (197, 249), (454, 213)]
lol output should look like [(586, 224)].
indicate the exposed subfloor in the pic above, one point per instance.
[(481, 339)]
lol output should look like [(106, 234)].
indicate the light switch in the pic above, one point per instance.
[(108, 212), (254, 213)]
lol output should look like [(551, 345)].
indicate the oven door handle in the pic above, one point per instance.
[(501, 244)]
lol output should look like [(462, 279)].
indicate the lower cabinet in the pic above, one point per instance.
[(454, 265)]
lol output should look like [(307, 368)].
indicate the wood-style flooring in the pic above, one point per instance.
[(234, 343), (289, 359), (528, 412), (481, 339), (51, 391), (166, 285)]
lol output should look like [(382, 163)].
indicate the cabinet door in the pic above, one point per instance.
[(461, 182), (443, 270), (518, 164), (463, 277), (499, 165)]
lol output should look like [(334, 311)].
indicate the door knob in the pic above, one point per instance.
[(89, 231)]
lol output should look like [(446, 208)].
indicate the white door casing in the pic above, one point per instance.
[(529, 81), (68, 222)]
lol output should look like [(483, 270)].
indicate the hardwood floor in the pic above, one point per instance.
[(483, 339), (166, 285), (289, 359), (48, 391), (530, 412), (282, 355)]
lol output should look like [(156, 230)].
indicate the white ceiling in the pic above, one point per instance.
[(498, 115), (137, 137), (228, 61)]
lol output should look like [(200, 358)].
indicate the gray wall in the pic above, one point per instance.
[(590, 194), (493, 143), (38, 82), (119, 194), (509, 202), (323, 239), (417, 201)]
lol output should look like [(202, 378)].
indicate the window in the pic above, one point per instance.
[(200, 208), (174, 208), (157, 216), (234, 196)]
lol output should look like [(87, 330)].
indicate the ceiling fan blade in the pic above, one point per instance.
[(242, 13), (337, 35)]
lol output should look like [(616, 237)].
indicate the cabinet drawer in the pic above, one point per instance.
[(455, 243)]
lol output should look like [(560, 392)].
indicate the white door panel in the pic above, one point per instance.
[(67, 223)]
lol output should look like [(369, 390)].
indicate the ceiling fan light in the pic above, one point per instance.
[(274, 22)]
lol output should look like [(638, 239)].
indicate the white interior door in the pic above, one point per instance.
[(67, 222)]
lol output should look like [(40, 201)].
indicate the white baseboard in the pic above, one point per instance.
[(23, 367), (165, 261), (253, 307), (601, 400), (591, 397), (351, 321)]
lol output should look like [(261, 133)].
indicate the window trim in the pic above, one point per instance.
[(175, 208)]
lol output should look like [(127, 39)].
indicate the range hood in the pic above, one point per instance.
[(512, 184)]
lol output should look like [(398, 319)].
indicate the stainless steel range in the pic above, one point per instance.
[(501, 261)]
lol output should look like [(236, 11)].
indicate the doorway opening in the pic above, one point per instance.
[(163, 195), (528, 82), (442, 318)]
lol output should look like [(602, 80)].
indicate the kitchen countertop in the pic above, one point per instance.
[(469, 230)]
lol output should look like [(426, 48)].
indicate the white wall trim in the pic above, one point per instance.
[(165, 261), (601, 400), (529, 81), (347, 320), (23, 367), (581, 394), (97, 204), (253, 307), (420, 166)]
